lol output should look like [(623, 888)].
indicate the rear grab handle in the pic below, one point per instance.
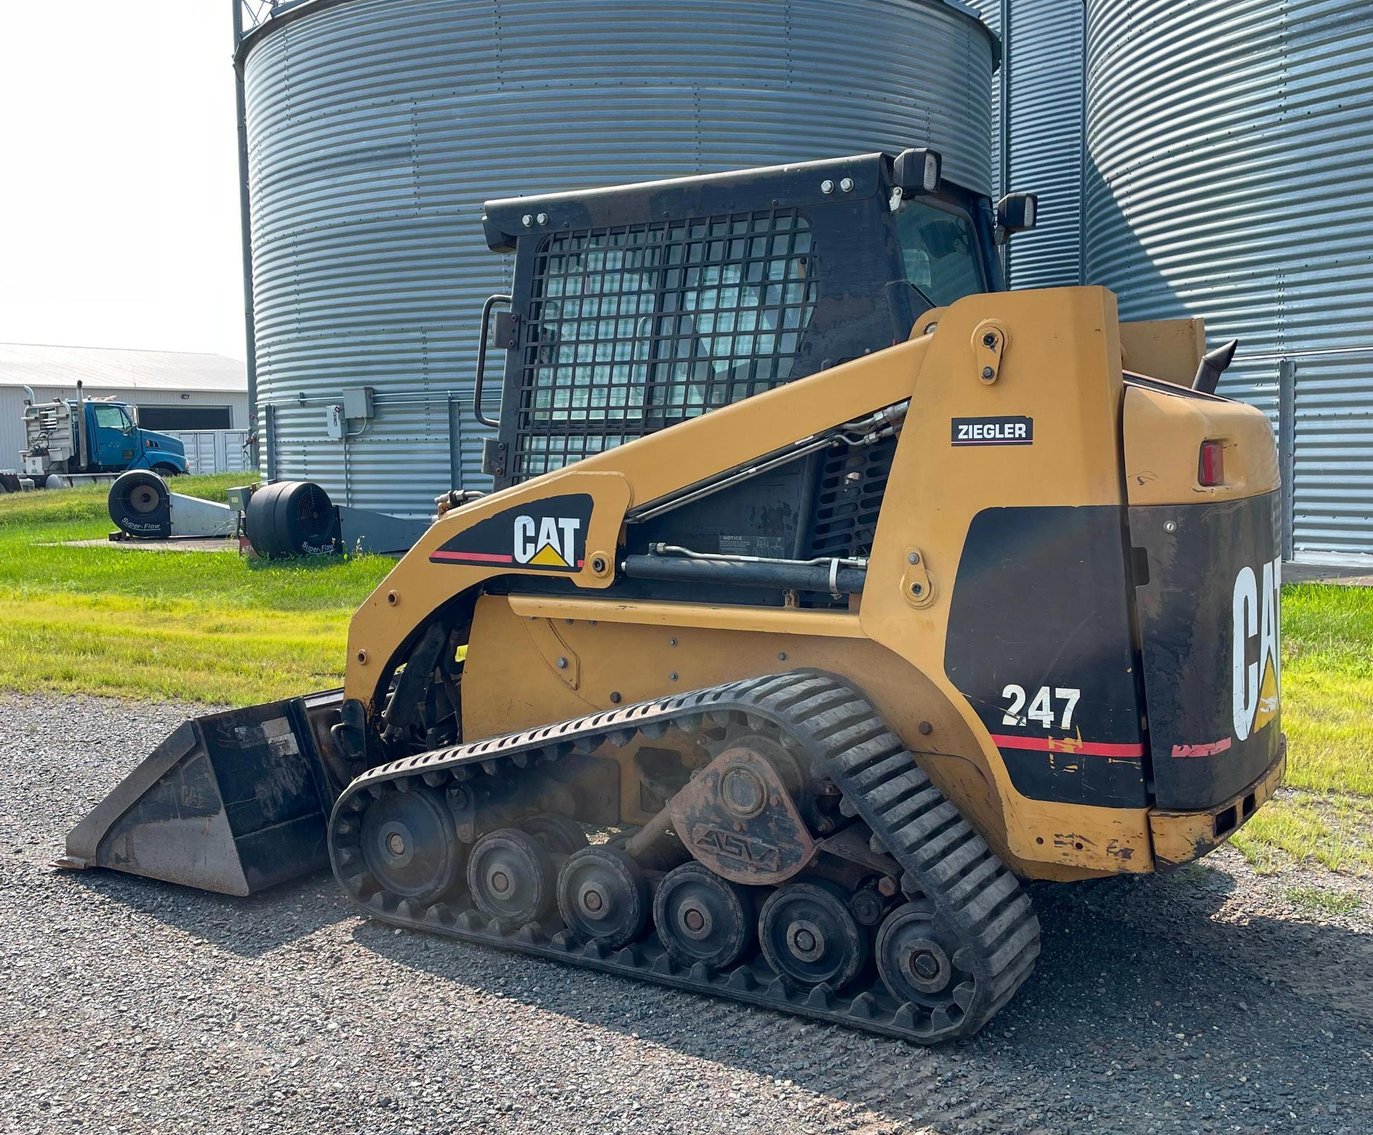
[(482, 342)]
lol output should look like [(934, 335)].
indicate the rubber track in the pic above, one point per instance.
[(820, 717)]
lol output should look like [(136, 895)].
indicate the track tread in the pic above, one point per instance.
[(943, 859)]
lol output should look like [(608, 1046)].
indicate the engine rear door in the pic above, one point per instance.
[(1208, 577)]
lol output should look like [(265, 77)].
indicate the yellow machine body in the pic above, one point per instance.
[(1053, 356)]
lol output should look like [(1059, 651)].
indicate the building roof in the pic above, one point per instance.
[(108, 368)]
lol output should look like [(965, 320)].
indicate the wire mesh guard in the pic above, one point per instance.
[(848, 501), (637, 327)]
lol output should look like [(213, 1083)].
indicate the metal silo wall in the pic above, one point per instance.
[(992, 13), (1038, 116), (376, 129), (1045, 69), (1227, 177)]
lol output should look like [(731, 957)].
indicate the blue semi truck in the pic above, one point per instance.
[(91, 438)]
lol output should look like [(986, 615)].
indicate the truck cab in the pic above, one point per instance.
[(76, 436), (117, 443)]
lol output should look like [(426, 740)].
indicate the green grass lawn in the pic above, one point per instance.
[(218, 628), (1327, 686), (206, 627), (1327, 712)]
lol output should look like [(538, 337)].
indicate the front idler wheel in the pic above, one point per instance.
[(807, 932), (701, 917), (915, 958), (411, 848), (603, 896), (511, 877)]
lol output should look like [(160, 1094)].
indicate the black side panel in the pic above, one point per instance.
[(758, 516), (540, 535), (1040, 644), (1209, 631)]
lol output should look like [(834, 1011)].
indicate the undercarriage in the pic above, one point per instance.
[(801, 860)]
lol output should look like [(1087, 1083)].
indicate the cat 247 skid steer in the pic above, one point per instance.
[(827, 593)]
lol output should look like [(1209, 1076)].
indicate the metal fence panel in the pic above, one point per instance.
[(215, 451)]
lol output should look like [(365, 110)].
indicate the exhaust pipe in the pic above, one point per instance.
[(231, 802), (82, 441), (1214, 364)]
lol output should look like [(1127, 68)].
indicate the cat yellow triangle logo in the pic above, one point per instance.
[(1268, 699), (547, 541), (547, 556)]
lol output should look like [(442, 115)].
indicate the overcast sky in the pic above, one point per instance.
[(119, 177)]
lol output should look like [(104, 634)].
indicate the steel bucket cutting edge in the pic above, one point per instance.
[(230, 802)]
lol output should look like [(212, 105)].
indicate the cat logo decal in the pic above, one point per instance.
[(1257, 666), (543, 535)]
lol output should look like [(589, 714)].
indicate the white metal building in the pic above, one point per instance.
[(174, 391)]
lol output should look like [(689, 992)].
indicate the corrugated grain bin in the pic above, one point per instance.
[(376, 129), (1227, 176)]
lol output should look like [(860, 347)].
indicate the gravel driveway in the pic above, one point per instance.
[(1199, 1002)]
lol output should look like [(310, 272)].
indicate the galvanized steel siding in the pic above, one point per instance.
[(378, 127), (1228, 177), (1038, 112), (992, 13), (1331, 466), (1045, 61)]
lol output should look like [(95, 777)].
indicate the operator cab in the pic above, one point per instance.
[(637, 307)]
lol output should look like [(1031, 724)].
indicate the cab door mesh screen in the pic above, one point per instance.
[(637, 327)]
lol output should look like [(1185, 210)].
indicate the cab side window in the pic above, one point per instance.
[(113, 418)]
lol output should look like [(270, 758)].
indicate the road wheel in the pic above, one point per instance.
[(807, 932), (561, 836), (409, 843), (917, 959), (603, 896), (701, 917), (510, 877)]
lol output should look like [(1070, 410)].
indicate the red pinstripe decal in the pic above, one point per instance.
[(1208, 750), (1070, 745)]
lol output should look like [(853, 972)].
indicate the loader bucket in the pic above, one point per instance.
[(231, 802)]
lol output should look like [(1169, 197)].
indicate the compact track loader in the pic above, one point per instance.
[(828, 592)]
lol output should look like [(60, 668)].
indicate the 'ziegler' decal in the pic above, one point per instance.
[(1254, 656), (993, 431), (543, 535)]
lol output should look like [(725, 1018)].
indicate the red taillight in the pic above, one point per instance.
[(1211, 467)]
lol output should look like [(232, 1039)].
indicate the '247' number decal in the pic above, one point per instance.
[(1043, 710)]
